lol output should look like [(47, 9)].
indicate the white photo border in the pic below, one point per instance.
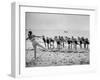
[(21, 70)]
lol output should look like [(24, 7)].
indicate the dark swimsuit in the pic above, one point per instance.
[(48, 41), (44, 40), (75, 42), (80, 42), (58, 42), (69, 41), (87, 42)]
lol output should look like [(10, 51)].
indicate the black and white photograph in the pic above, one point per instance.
[(56, 39)]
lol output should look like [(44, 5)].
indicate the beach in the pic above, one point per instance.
[(56, 58)]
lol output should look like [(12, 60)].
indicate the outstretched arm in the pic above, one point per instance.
[(38, 36)]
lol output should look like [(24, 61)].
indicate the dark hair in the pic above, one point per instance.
[(30, 32)]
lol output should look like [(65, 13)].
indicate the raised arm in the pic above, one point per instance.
[(37, 36)]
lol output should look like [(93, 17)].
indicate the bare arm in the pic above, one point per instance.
[(38, 36), (33, 37)]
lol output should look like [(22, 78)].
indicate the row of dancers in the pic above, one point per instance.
[(59, 40), (62, 41)]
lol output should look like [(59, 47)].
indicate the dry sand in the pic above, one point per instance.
[(57, 58)]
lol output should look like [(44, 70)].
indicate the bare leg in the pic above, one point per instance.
[(48, 45), (34, 61), (59, 47), (63, 45), (75, 46), (35, 52), (45, 44), (68, 46), (80, 46), (53, 45), (71, 45), (84, 45), (87, 46), (41, 46)]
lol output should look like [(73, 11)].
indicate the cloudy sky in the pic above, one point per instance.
[(57, 21)]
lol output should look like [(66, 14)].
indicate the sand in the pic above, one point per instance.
[(57, 58)]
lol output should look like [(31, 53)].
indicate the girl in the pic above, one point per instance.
[(48, 42), (80, 42), (87, 43), (69, 42), (51, 42), (44, 40), (34, 42), (57, 42)]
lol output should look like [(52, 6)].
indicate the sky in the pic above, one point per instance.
[(56, 22)]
